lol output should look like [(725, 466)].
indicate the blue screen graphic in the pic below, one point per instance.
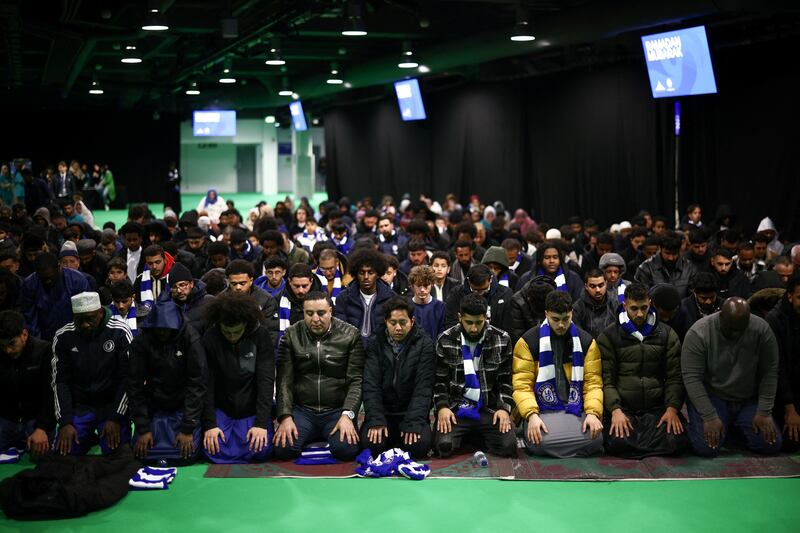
[(298, 117), (410, 100), (214, 124), (679, 63)]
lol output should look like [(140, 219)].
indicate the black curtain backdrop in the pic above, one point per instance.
[(137, 148), (589, 143)]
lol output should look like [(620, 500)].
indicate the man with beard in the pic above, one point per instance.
[(558, 385), (320, 368), (464, 260), (472, 391), (45, 295), (154, 279), (698, 254), (729, 362), (299, 282), (642, 384), (746, 261), (667, 267), (90, 363), (595, 311), (391, 242), (704, 299), (197, 244), (189, 295), (240, 279), (731, 280)]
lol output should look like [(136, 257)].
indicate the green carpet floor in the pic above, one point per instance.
[(323, 505), (243, 202)]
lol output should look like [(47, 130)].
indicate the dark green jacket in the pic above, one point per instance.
[(640, 376), (322, 373)]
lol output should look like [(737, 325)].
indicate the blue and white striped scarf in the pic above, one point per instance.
[(621, 294), (516, 262), (545, 386), (146, 289), (130, 319), (315, 454), (503, 279), (472, 402), (337, 282), (284, 316), (631, 329), (344, 246), (560, 279), (308, 241)]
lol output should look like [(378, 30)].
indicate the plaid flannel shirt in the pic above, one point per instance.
[(494, 371)]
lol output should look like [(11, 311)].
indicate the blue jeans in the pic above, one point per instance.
[(314, 427), (736, 416), (165, 428)]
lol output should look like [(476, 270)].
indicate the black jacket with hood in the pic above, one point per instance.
[(166, 375)]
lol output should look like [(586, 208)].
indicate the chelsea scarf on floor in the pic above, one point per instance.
[(472, 402), (316, 455), (560, 279), (631, 329), (545, 386), (390, 463), (151, 478), (337, 282), (10, 456), (130, 319)]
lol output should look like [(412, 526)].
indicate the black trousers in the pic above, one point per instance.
[(418, 451), (646, 440), (502, 444)]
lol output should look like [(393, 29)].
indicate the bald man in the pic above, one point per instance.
[(729, 362)]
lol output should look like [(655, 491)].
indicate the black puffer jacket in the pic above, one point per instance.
[(320, 373), (399, 384), (593, 317), (640, 376)]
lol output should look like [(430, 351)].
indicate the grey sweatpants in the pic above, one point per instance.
[(564, 437)]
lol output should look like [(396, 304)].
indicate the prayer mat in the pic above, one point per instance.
[(728, 465), (456, 467)]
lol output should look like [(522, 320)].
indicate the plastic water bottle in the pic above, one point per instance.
[(480, 459)]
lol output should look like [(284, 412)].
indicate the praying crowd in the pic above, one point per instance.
[(416, 324)]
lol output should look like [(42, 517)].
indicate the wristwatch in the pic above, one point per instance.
[(349, 414)]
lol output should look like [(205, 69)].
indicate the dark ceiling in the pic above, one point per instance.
[(53, 50)]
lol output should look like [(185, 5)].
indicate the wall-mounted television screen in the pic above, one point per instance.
[(679, 63), (410, 100), (214, 124), (298, 116)]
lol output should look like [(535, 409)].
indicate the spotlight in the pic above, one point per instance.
[(193, 89), (354, 24), (269, 119), (522, 31), (155, 20), (285, 90), (227, 76), (274, 56), (130, 56), (407, 57), (335, 77), (95, 87)]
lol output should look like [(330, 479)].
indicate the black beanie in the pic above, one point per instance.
[(179, 273), (665, 296)]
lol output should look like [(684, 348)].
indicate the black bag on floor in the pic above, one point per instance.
[(66, 487)]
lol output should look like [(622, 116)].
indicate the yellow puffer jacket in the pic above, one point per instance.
[(525, 368)]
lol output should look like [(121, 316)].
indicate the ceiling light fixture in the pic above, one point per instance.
[(285, 90), (522, 32), (269, 119), (335, 77), (95, 87), (407, 57), (131, 57), (423, 69), (354, 23), (274, 56), (155, 20), (227, 76), (193, 89)]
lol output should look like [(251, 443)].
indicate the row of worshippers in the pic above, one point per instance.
[(574, 395)]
